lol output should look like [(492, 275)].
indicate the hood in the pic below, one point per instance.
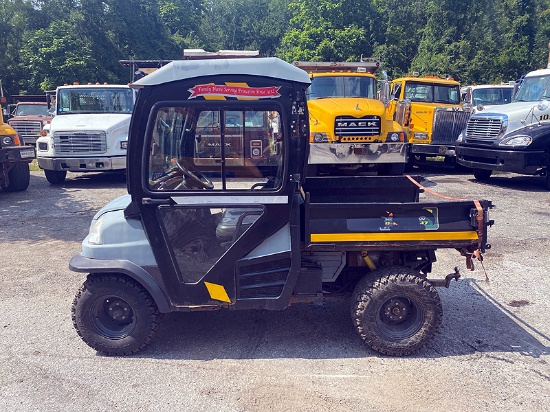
[(89, 122), (350, 106), (33, 118), (519, 114), (119, 203)]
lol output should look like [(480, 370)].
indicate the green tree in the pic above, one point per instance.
[(326, 30)]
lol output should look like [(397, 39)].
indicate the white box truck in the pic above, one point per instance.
[(89, 130)]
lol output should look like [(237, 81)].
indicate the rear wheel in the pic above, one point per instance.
[(482, 174), (55, 177), (395, 311), (19, 178), (114, 314)]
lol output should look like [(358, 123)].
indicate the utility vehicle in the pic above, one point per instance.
[(190, 236)]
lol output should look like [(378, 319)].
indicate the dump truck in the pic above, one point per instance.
[(29, 117), (189, 238), (349, 128), (430, 110)]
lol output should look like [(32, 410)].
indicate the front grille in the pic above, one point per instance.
[(80, 142), (484, 127), (27, 128), (448, 124), (346, 127)]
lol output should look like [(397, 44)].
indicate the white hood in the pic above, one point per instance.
[(519, 114), (89, 122)]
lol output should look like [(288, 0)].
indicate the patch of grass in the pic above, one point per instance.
[(33, 166)]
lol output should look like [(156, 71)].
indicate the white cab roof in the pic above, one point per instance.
[(187, 69)]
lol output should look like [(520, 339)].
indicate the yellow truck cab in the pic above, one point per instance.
[(349, 125), (430, 110)]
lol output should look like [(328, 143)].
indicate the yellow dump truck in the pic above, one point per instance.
[(349, 126), (430, 110)]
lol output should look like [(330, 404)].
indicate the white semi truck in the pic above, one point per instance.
[(89, 130)]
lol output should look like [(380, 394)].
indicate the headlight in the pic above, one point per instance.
[(522, 140), (95, 234), (319, 137), (421, 136), (395, 137), (124, 144), (43, 146), (7, 140)]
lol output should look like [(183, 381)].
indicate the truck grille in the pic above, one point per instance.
[(347, 127), (27, 128), (80, 142), (484, 127), (448, 124)]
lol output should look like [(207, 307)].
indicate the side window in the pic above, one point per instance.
[(194, 148)]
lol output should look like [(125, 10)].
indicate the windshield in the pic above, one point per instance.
[(494, 95), (342, 86), (432, 93), (534, 89), (95, 100), (31, 110)]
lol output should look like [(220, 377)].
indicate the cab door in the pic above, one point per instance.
[(222, 233)]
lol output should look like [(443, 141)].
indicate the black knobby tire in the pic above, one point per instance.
[(482, 174), (114, 314), (55, 177), (395, 311), (19, 178)]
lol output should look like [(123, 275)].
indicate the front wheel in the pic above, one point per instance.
[(19, 178), (114, 314), (482, 174), (395, 311), (55, 177)]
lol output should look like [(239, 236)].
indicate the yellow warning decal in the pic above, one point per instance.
[(217, 292)]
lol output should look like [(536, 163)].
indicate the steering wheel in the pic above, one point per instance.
[(190, 171)]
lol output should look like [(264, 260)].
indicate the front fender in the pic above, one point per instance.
[(82, 264)]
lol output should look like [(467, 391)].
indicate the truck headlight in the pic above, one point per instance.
[(8, 140), (95, 235), (395, 137), (522, 140), (423, 136), (124, 144), (319, 137)]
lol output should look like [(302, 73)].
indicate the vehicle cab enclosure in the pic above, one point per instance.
[(232, 233)]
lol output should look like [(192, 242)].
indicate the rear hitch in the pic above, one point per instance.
[(447, 281)]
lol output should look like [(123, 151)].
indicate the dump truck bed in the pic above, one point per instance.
[(384, 213)]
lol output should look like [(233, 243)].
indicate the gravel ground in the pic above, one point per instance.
[(492, 352)]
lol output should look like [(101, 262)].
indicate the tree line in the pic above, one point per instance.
[(45, 43)]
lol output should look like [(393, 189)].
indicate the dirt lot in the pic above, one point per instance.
[(492, 352)]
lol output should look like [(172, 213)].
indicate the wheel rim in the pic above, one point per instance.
[(113, 317), (400, 318)]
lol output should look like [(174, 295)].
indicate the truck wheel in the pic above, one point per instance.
[(395, 311), (114, 314), (547, 180), (55, 177), (482, 174), (391, 169), (19, 178)]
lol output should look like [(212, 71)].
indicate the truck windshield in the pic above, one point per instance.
[(31, 110), (534, 89), (342, 86), (493, 95), (432, 93), (95, 100)]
